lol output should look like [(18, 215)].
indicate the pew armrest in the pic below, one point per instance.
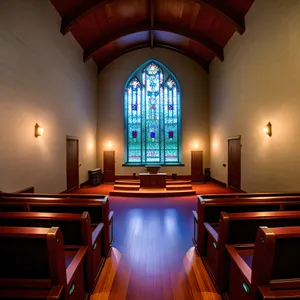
[(195, 214), (211, 231), (55, 293), (111, 215), (75, 263), (267, 293), (240, 263), (96, 232)]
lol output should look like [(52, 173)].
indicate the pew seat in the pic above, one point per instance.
[(34, 265), (76, 230), (238, 228), (274, 272)]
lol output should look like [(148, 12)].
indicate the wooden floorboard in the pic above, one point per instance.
[(153, 257)]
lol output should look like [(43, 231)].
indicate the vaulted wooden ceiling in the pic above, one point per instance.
[(107, 29)]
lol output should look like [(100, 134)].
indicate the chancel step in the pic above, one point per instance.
[(130, 187), (152, 193), (177, 187)]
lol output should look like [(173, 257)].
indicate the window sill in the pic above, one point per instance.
[(147, 164)]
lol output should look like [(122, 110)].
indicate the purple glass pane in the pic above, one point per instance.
[(170, 107), (134, 107), (134, 134), (171, 134), (152, 135)]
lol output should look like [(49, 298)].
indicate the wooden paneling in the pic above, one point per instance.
[(72, 164), (197, 166), (97, 23), (234, 163)]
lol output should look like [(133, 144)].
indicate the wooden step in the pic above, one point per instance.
[(152, 193), (171, 182), (179, 187), (129, 187), (128, 181)]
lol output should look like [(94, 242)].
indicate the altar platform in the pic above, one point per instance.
[(132, 188)]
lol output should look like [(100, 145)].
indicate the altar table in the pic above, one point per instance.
[(157, 180)]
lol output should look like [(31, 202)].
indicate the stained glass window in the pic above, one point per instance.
[(152, 116)]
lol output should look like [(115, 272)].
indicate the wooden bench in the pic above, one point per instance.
[(76, 230), (238, 228), (34, 265), (208, 210), (274, 269), (97, 208)]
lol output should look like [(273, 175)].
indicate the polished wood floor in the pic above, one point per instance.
[(153, 256)]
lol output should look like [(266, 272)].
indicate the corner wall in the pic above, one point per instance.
[(193, 82), (42, 80), (259, 82)]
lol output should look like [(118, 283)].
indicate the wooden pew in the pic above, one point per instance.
[(208, 210), (34, 265), (275, 269), (238, 228), (76, 230), (97, 208), (246, 195)]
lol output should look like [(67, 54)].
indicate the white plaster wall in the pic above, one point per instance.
[(42, 80), (259, 82), (193, 82)]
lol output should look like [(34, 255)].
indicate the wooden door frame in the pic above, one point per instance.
[(71, 137), (235, 137)]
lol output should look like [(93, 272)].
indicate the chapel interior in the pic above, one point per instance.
[(149, 149)]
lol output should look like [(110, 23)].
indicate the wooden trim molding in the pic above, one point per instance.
[(234, 137), (222, 184)]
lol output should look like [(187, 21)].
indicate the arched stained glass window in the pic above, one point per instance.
[(152, 117)]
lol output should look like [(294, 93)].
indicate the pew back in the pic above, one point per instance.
[(32, 257), (277, 256), (75, 228)]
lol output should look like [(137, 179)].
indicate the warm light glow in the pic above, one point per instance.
[(109, 144), (38, 130), (268, 129), (196, 144)]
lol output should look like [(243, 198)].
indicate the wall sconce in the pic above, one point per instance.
[(38, 130), (268, 129), (109, 144)]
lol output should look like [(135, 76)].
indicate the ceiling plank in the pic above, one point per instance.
[(80, 12), (203, 40), (237, 21), (204, 64)]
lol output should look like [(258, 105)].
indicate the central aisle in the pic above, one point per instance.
[(153, 256)]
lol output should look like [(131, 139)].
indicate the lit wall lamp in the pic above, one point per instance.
[(268, 129), (38, 130)]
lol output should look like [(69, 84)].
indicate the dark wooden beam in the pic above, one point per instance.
[(207, 43), (151, 17), (203, 63), (80, 12), (237, 21)]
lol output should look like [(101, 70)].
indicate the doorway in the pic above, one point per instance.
[(234, 162), (109, 166), (72, 163), (197, 166)]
